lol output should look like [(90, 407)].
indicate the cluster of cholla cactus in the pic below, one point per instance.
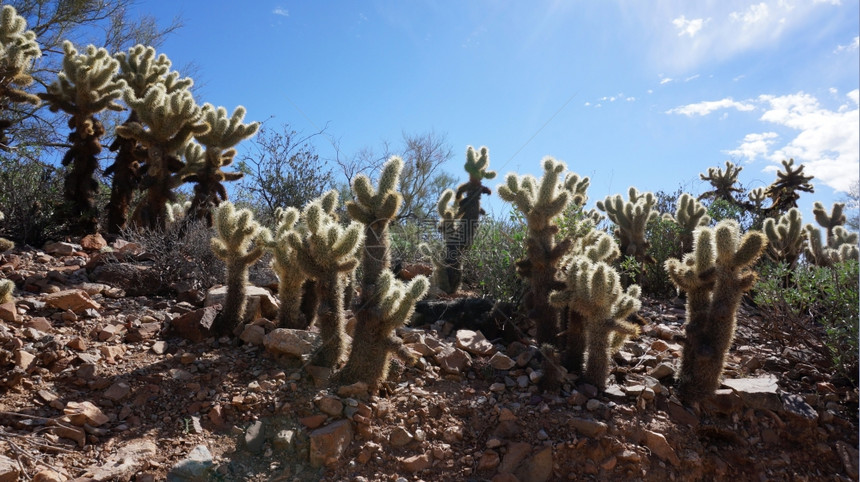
[(5, 244), (236, 231), (840, 245), (540, 202), (715, 277), (325, 251), (458, 219), (385, 303), (785, 236), (689, 215), (86, 86), (630, 218), (18, 51), (206, 170)]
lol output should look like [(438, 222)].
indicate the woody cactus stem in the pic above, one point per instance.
[(541, 203), (375, 340), (459, 223), (290, 279), (715, 276), (236, 230)]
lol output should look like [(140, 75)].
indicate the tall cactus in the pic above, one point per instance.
[(715, 276), (689, 215), (236, 230), (783, 192), (386, 303), (842, 246), (208, 175), (785, 237), (169, 117), (631, 217), (140, 69), (458, 222), (540, 202), (723, 182), (829, 221), (284, 263), (85, 87), (18, 51), (326, 253)]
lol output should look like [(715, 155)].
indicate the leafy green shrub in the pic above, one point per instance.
[(817, 304), (30, 192), (489, 266), (720, 209), (665, 239)]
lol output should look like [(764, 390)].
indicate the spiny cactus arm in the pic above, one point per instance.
[(691, 213), (515, 191), (849, 252), (785, 236), (140, 68), (758, 196), (225, 132), (446, 210), (172, 117), (6, 288), (18, 50), (398, 299), (829, 221), (477, 164), (372, 205), (735, 252), (815, 249), (577, 187), (842, 236), (87, 83)]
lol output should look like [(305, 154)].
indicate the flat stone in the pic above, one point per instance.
[(197, 466), (253, 334), (40, 323), (330, 406), (60, 248), (117, 391), (399, 437), (24, 359), (77, 301), (658, 444), (8, 469), (93, 242), (9, 312), (589, 428), (474, 342), (286, 341), (329, 443), (80, 413), (260, 302), (417, 463), (254, 437), (538, 468), (284, 439), (489, 461), (453, 360), (662, 370), (759, 393), (795, 405), (500, 361), (125, 463), (517, 452)]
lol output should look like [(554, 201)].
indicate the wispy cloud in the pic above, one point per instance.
[(854, 45), (665, 80), (688, 27), (280, 11), (754, 145), (753, 14), (706, 107)]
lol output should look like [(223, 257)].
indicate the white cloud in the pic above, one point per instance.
[(706, 107), (827, 141), (630, 99), (854, 45), (283, 12), (587, 104), (665, 80), (753, 14), (688, 27), (754, 145)]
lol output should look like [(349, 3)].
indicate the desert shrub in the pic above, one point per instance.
[(406, 236), (720, 209), (181, 254), (30, 192), (665, 239), (489, 266), (815, 306)]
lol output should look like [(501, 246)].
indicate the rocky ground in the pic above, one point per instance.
[(101, 380)]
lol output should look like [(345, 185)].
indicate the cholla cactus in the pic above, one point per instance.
[(169, 117), (785, 237), (177, 211), (7, 286), (236, 230), (458, 222), (18, 50), (631, 217), (85, 87), (140, 69), (689, 215), (385, 303), (375, 340), (715, 276), (325, 252), (723, 182), (541, 202), (5, 244), (842, 246), (836, 217), (783, 192), (284, 263), (218, 142)]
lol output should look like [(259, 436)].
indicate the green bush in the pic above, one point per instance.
[(489, 266), (30, 192), (665, 239), (817, 303)]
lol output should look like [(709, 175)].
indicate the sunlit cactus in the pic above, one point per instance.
[(326, 252), (458, 219), (169, 117), (631, 217), (783, 193), (18, 51), (785, 237), (541, 202), (829, 221), (208, 176), (285, 264), (723, 182), (842, 246), (5, 244), (715, 277), (689, 215), (7, 287), (236, 231), (84, 87)]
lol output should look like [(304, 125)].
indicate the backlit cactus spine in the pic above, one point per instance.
[(18, 51), (715, 276), (326, 253), (386, 303), (458, 222), (236, 230), (785, 237), (540, 203), (631, 217), (689, 215), (285, 264)]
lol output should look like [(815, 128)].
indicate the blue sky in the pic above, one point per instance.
[(643, 93)]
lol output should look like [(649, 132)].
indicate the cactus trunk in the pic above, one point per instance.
[(233, 311), (574, 354), (330, 318), (125, 180)]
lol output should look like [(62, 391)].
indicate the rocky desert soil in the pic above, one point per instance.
[(103, 379)]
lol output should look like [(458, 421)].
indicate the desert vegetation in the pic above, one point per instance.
[(348, 275)]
